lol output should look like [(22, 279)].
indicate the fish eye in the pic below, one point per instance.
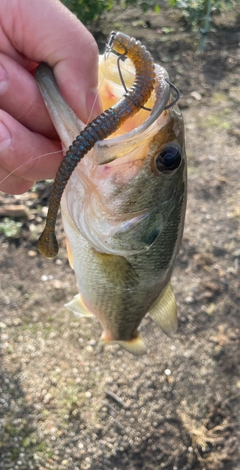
[(168, 159)]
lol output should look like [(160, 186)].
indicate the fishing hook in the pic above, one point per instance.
[(177, 97), (123, 58), (109, 45)]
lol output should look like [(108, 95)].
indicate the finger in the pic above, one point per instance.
[(27, 154), (46, 31), (20, 97)]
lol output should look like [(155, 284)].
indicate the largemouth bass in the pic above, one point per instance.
[(123, 208)]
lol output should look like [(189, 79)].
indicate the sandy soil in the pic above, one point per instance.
[(66, 405)]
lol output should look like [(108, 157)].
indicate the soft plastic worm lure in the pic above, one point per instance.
[(103, 126)]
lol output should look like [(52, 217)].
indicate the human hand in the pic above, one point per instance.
[(33, 32)]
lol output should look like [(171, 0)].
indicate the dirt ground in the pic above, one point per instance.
[(64, 404)]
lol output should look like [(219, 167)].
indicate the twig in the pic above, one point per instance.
[(116, 398)]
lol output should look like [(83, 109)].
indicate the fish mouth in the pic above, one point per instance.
[(136, 129)]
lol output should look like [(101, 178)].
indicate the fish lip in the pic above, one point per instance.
[(65, 121), (162, 91)]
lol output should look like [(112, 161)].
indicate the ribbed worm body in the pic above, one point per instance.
[(103, 126)]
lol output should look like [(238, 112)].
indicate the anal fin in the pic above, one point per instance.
[(77, 307), (164, 311)]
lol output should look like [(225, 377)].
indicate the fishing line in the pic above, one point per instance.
[(99, 88), (30, 159)]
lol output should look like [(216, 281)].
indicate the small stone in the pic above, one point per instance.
[(45, 278), (211, 309), (37, 406), (32, 227), (44, 211), (196, 95), (109, 380), (47, 398), (32, 253), (57, 284)]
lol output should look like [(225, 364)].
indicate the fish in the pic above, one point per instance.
[(123, 208)]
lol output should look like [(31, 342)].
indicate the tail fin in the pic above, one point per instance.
[(135, 346)]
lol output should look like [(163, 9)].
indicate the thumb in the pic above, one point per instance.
[(47, 31)]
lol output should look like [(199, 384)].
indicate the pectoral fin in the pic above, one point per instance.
[(135, 346), (77, 307), (164, 312)]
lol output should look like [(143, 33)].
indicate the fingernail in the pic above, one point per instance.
[(3, 80), (94, 105), (5, 137)]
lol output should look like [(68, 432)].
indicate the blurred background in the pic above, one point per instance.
[(63, 403)]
